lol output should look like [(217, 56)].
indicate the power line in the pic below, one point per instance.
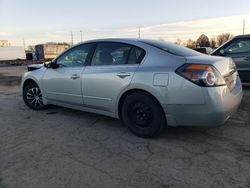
[(166, 33)]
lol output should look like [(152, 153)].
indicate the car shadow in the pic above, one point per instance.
[(234, 124)]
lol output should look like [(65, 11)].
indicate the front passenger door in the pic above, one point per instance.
[(63, 84)]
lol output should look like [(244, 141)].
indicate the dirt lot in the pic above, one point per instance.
[(60, 147)]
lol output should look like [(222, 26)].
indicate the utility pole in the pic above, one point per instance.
[(243, 26), (81, 35), (24, 46), (139, 32), (72, 39)]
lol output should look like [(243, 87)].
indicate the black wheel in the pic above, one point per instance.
[(32, 97), (143, 115)]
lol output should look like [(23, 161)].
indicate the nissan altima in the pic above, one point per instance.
[(147, 84)]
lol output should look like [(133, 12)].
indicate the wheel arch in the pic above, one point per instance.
[(28, 81), (129, 92), (25, 83)]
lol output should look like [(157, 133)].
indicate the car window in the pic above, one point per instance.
[(136, 55), (75, 57), (111, 53), (172, 48), (240, 46)]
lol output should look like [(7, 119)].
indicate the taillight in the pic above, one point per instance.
[(201, 74)]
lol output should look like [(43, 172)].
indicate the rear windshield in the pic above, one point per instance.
[(172, 48)]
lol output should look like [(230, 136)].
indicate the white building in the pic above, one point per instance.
[(12, 53), (4, 43)]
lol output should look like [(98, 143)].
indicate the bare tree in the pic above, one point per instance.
[(191, 44), (63, 43), (161, 39), (213, 43), (31, 48), (203, 41), (178, 41), (224, 37)]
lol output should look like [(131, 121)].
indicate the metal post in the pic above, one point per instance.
[(72, 39), (243, 26), (81, 35), (139, 32), (24, 46)]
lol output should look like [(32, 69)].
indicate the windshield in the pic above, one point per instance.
[(172, 48)]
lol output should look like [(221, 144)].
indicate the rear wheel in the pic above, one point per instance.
[(32, 97), (143, 115)]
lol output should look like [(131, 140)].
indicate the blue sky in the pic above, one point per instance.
[(47, 20)]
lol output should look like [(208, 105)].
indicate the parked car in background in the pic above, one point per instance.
[(204, 50), (145, 83), (237, 48)]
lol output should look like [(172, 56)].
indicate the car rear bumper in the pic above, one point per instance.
[(220, 104)]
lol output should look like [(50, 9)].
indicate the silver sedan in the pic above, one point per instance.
[(148, 84)]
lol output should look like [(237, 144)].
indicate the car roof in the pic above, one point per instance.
[(148, 44), (242, 36), (114, 40)]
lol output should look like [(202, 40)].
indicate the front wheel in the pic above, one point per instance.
[(32, 97), (143, 115)]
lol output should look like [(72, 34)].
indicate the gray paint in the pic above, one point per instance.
[(99, 88)]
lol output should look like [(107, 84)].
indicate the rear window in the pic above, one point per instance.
[(172, 48)]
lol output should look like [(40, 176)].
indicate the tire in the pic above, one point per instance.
[(143, 115), (32, 97)]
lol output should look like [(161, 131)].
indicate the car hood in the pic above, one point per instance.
[(34, 67)]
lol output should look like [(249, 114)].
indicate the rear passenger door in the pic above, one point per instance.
[(111, 70)]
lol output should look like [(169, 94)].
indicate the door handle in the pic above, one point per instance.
[(75, 76), (123, 74), (247, 58)]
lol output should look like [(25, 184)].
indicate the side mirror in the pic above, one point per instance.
[(45, 64), (54, 65), (51, 64)]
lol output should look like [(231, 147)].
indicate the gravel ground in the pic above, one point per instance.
[(60, 147)]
